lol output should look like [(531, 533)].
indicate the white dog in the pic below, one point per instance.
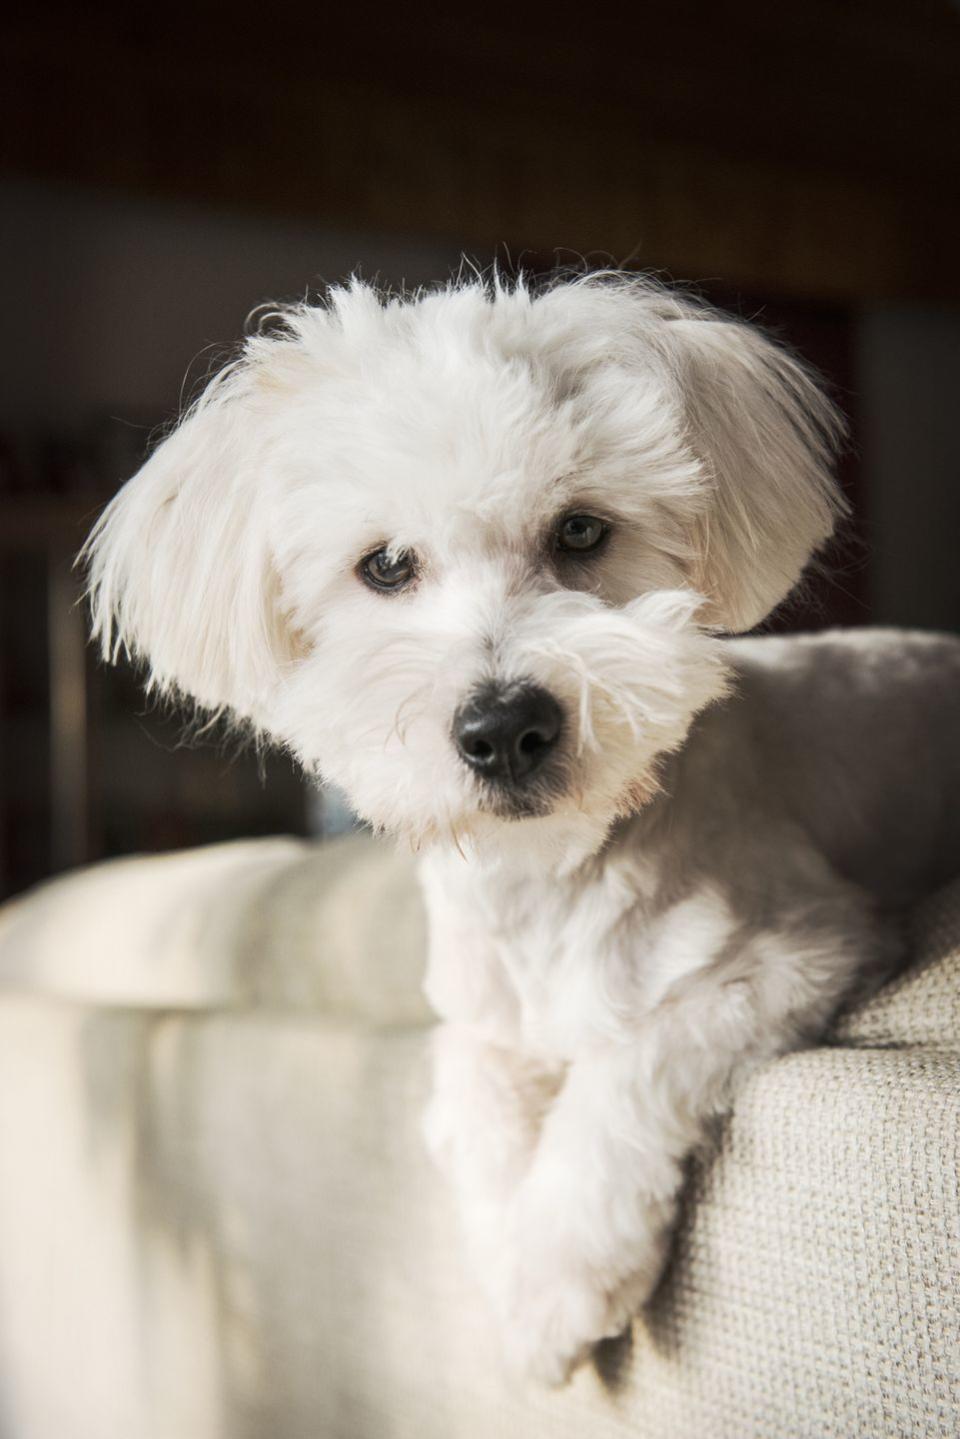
[(472, 554)]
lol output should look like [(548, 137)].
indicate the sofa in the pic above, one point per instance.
[(218, 1221)]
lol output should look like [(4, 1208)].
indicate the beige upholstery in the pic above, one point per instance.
[(338, 930), (217, 1219)]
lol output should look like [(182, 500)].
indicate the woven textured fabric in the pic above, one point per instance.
[(815, 1288), (921, 1006)]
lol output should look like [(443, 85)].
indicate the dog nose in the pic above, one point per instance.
[(505, 734)]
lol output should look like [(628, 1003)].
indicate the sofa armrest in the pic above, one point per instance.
[(227, 1223), (277, 923)]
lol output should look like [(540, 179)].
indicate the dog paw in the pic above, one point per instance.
[(555, 1320)]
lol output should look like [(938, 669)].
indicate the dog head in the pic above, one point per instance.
[(464, 553)]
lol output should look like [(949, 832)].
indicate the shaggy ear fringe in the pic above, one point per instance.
[(768, 435), (179, 575)]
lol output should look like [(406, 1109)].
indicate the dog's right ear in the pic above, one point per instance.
[(766, 434), (180, 571), (759, 427)]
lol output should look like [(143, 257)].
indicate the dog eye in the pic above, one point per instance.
[(383, 573), (578, 534)]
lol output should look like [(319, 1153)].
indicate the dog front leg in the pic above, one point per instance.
[(482, 1127), (591, 1220), (589, 1225)]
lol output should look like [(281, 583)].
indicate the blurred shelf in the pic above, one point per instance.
[(47, 521)]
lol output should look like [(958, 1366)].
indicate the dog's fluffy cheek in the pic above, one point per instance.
[(387, 747)]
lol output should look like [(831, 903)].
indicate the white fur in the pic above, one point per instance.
[(702, 890)]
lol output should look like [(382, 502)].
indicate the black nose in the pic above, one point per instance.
[(506, 733)]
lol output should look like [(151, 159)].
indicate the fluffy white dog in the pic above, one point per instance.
[(472, 555)]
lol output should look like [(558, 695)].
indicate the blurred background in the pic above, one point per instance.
[(163, 171)]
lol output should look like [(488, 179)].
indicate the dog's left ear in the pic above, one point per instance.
[(766, 435), (180, 569)]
